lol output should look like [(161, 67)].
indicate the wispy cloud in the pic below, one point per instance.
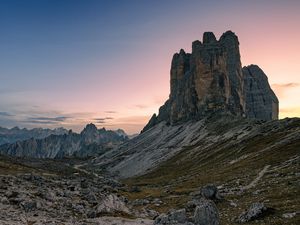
[(280, 89), (54, 119), (141, 106), (5, 114), (46, 120), (102, 120), (109, 111), (286, 85)]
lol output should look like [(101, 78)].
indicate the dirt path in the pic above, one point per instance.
[(259, 176)]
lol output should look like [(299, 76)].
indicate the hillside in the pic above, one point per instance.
[(248, 162)]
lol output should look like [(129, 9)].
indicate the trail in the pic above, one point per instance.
[(255, 181), (78, 167)]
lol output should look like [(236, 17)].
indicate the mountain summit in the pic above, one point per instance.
[(211, 80)]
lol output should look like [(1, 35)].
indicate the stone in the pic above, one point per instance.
[(4, 201), (255, 211), (162, 219), (28, 205), (289, 215), (211, 192), (111, 203), (174, 217), (206, 214), (178, 216)]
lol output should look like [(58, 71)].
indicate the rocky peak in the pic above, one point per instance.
[(90, 128), (89, 133), (211, 80), (209, 37)]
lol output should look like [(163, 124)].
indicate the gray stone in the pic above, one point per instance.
[(289, 215), (255, 211), (206, 214), (162, 219), (28, 205), (178, 215), (211, 192)]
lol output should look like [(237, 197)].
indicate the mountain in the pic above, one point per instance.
[(16, 134), (216, 153), (211, 80), (207, 86), (89, 142)]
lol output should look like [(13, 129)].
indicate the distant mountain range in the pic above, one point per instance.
[(89, 142), (16, 134)]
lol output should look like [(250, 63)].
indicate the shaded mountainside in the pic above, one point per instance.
[(211, 80), (16, 134), (89, 142)]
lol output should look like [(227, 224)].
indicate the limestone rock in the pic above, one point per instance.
[(206, 214), (261, 102), (210, 80), (211, 192), (174, 217), (255, 211)]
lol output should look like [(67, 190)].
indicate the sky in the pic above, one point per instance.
[(71, 62)]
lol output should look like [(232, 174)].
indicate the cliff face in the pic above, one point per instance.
[(261, 102), (211, 80)]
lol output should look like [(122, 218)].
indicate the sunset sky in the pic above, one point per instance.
[(71, 62)]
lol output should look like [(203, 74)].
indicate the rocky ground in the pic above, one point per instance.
[(250, 174), (34, 193)]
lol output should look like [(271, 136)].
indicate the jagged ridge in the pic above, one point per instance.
[(211, 80)]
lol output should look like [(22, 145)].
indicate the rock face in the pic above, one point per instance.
[(211, 80), (89, 142), (261, 102)]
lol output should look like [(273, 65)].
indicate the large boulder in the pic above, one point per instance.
[(255, 211), (173, 217), (206, 213), (211, 192)]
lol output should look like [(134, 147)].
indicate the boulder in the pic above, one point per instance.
[(206, 213), (211, 192), (255, 211), (173, 217)]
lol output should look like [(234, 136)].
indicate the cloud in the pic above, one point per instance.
[(280, 89), (141, 106), (110, 111), (5, 114), (54, 119), (46, 120), (102, 120), (39, 122), (286, 85)]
